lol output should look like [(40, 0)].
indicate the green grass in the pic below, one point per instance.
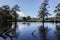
[(40, 21)]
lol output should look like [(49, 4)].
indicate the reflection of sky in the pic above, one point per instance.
[(30, 7), (35, 25), (25, 31)]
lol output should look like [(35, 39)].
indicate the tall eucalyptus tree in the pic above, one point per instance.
[(43, 12)]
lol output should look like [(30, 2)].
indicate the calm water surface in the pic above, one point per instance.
[(30, 31)]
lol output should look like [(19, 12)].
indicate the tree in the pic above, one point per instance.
[(57, 11), (43, 11), (24, 19), (14, 9), (28, 18)]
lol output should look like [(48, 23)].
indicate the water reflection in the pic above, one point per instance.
[(57, 32), (7, 29), (43, 32), (35, 31), (28, 23)]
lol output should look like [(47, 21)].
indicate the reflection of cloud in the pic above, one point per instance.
[(21, 14), (20, 27)]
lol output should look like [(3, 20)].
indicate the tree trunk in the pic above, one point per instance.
[(43, 21)]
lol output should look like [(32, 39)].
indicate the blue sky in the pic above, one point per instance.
[(30, 7)]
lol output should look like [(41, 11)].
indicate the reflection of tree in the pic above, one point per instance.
[(57, 32), (28, 23), (7, 28), (43, 32)]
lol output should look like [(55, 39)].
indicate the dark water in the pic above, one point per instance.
[(32, 31)]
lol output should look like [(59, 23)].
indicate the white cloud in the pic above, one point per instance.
[(21, 14)]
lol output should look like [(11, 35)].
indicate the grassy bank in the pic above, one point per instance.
[(39, 21)]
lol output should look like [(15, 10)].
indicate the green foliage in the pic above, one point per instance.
[(24, 19), (28, 18), (57, 10), (7, 13), (43, 9)]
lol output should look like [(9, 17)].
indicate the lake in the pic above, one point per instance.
[(32, 31)]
